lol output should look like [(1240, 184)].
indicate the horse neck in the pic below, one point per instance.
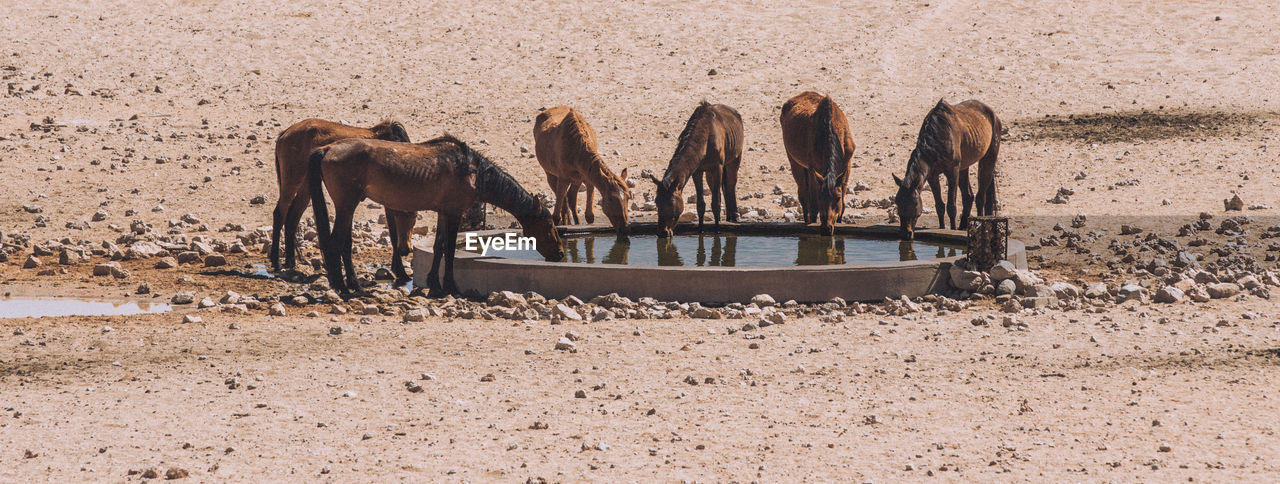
[(917, 171), (685, 161), (598, 174), (503, 192)]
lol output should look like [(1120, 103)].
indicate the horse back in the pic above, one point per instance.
[(564, 142), (977, 128)]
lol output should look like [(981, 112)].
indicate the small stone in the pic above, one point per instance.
[(1006, 286), (1168, 295), (215, 260), (167, 262), (415, 315), (183, 297), (1235, 203), (276, 309), (1002, 270), (1222, 290), (207, 302), (336, 330), (144, 288), (349, 394), (565, 312), (763, 300), (192, 319), (32, 262), (580, 394), (565, 344)]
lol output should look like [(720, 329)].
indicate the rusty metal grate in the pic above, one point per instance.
[(988, 240)]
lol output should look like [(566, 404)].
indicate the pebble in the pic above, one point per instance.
[(276, 309), (192, 319)]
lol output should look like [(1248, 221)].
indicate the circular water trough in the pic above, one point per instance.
[(806, 283)]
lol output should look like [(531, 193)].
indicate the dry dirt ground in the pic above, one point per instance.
[(1150, 114)]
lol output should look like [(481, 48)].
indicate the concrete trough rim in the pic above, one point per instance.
[(813, 283)]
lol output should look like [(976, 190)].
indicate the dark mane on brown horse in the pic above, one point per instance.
[(710, 145), (952, 138)]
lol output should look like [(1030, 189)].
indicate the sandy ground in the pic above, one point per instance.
[(131, 107)]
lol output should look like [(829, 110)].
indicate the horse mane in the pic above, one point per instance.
[(929, 143), (494, 185), (390, 130), (687, 137)]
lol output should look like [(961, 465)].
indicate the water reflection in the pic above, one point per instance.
[(819, 250), (907, 251), (37, 307)]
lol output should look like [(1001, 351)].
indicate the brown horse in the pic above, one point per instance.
[(820, 148), (292, 149), (566, 148), (710, 144), (443, 175), (952, 138)]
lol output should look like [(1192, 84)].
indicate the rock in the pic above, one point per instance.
[(776, 317), (188, 257), (192, 319), (166, 263), (276, 309), (207, 302), (119, 272), (1064, 290), (215, 260), (565, 312), (1198, 294), (1002, 270), (383, 274), (1024, 279), (1168, 295), (1007, 286), (1235, 203), (70, 257), (143, 250), (1248, 282), (1039, 290), (32, 262), (612, 301), (763, 300), (1222, 290), (507, 299), (335, 330), (965, 280), (104, 269), (706, 313), (1131, 292), (415, 316), (184, 297), (565, 344), (144, 288), (231, 297)]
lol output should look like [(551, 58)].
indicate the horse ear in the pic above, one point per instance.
[(623, 174), (897, 180)]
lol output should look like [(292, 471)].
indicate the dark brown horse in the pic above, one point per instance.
[(443, 175), (292, 149), (566, 148), (952, 138), (820, 148), (710, 144)]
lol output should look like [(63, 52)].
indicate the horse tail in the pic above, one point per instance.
[(390, 131), (828, 143), (315, 178)]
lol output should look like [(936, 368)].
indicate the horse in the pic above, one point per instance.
[(566, 148), (952, 138), (710, 144), (293, 146), (816, 135), (443, 175)]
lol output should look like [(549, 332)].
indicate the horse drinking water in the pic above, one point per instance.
[(711, 145), (566, 148), (820, 148), (443, 175), (952, 138)]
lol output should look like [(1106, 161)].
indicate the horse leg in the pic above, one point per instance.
[(713, 182), (951, 198), (936, 188), (572, 203), (966, 194), (590, 206), (451, 230), (729, 185), (401, 224), (987, 178), (801, 175), (277, 224), (343, 210), (291, 218), (702, 204), (437, 252), (562, 189)]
